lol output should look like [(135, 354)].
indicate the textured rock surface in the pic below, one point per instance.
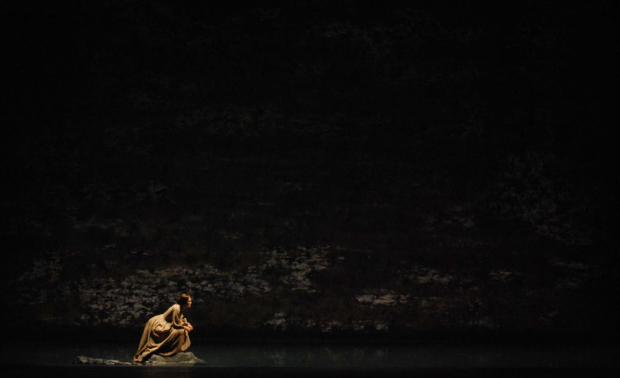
[(317, 290), (346, 176), (83, 360), (179, 358), (186, 358)]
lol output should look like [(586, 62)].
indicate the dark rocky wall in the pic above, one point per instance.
[(312, 167)]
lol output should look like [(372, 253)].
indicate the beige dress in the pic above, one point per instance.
[(163, 335)]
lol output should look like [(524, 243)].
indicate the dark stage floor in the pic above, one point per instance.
[(12, 370), (239, 359)]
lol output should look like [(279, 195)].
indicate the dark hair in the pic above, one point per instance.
[(183, 299)]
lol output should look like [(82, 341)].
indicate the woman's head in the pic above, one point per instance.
[(184, 300)]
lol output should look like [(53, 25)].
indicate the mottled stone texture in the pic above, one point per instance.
[(185, 358), (83, 360), (319, 291), (314, 167)]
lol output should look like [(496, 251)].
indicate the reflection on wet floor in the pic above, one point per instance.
[(334, 356)]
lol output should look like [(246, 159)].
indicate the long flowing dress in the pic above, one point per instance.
[(163, 335)]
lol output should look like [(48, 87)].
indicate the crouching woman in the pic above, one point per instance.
[(166, 334)]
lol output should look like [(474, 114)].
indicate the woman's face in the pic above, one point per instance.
[(189, 302)]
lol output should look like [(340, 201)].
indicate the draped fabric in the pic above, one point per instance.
[(163, 335)]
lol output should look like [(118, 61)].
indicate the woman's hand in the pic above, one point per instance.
[(190, 327)]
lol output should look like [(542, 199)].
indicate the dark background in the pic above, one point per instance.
[(472, 138)]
